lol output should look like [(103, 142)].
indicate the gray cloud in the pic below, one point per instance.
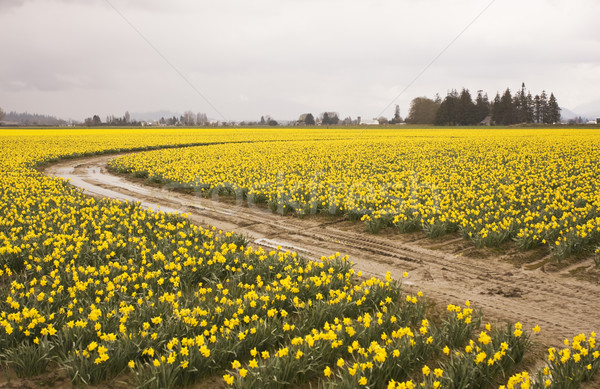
[(7, 4), (76, 58)]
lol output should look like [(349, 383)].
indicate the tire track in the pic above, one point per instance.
[(562, 306)]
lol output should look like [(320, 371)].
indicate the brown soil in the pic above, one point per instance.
[(507, 284)]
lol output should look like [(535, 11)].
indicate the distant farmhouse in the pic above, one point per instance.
[(487, 121), (367, 122)]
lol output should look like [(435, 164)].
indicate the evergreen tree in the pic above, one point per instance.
[(529, 109), (442, 115), (543, 108), (520, 106), (465, 114), (537, 109), (507, 108), (447, 114), (482, 107), (496, 110), (553, 110), (310, 120)]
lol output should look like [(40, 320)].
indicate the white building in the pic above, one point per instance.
[(372, 122)]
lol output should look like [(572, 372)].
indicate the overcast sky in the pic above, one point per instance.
[(76, 58)]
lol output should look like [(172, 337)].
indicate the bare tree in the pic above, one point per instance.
[(2, 114), (189, 118), (201, 119)]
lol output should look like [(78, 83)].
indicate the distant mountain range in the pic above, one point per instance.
[(31, 119), (589, 110), (567, 114)]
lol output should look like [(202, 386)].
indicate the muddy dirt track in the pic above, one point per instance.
[(447, 270)]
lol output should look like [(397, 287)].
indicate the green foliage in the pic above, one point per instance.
[(29, 359)]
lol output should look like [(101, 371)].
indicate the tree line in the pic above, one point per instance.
[(188, 118), (324, 119), (506, 109), (456, 109)]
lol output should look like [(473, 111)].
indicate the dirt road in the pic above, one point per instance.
[(447, 270)]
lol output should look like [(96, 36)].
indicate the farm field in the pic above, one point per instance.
[(534, 187), (104, 289)]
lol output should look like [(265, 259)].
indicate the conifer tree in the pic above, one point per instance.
[(507, 116), (496, 109), (447, 114), (537, 109), (465, 114), (543, 108), (553, 110), (529, 108), (482, 107)]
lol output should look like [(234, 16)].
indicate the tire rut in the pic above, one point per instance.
[(561, 305)]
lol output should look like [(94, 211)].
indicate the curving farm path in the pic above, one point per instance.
[(447, 270)]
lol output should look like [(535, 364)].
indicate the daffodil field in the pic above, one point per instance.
[(536, 187), (103, 290)]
